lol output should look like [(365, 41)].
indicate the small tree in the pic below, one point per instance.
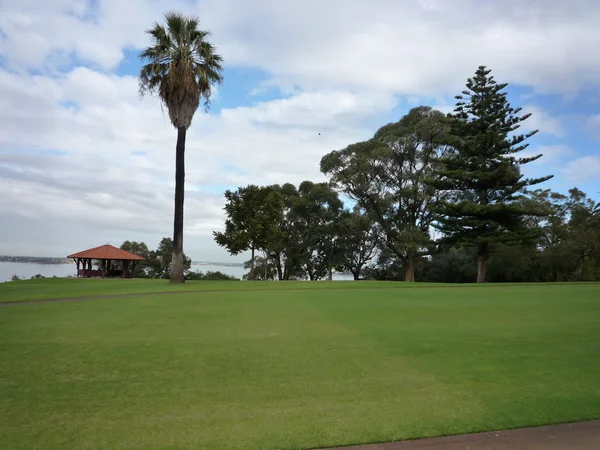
[(264, 268), (358, 241), (253, 217), (159, 260), (140, 249), (482, 175)]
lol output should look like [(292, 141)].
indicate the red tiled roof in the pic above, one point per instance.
[(106, 252)]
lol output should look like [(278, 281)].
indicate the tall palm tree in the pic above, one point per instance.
[(181, 67)]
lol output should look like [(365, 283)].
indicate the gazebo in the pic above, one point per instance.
[(107, 255)]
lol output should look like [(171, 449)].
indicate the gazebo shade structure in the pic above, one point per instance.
[(107, 255)]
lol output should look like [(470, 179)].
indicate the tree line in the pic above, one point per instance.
[(434, 197), (158, 263)]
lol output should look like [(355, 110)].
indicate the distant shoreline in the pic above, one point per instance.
[(35, 260), (49, 260)]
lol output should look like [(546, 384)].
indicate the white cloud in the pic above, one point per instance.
[(412, 47), (583, 169), (419, 47), (82, 158), (554, 154), (542, 121), (111, 159), (552, 161)]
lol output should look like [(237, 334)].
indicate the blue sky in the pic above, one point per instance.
[(83, 158)]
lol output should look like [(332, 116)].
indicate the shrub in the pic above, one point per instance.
[(210, 276)]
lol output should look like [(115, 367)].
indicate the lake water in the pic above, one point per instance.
[(27, 270)]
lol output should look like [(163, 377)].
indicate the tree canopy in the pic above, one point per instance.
[(253, 217), (386, 177), (430, 197)]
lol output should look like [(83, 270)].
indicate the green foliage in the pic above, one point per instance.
[(459, 174), (386, 177), (315, 213), (358, 240), (209, 276), (253, 217), (584, 234), (287, 250), (454, 265), (140, 249), (181, 67), (264, 268), (298, 234), (482, 173), (157, 262)]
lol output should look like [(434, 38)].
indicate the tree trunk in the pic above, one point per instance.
[(251, 275), (177, 263), (266, 259), (409, 268), (330, 274), (482, 256), (356, 274)]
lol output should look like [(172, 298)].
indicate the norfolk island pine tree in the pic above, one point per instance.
[(482, 173)]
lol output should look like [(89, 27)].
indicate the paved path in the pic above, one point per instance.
[(573, 436)]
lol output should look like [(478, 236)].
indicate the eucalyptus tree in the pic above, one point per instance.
[(386, 177)]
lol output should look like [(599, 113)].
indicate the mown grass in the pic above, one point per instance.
[(64, 288), (267, 369), (60, 288)]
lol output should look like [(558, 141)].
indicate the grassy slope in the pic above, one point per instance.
[(296, 369)]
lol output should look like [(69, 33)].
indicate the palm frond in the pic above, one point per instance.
[(181, 67)]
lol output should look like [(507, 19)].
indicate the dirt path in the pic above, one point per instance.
[(570, 436)]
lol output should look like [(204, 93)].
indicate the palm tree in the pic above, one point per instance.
[(181, 67)]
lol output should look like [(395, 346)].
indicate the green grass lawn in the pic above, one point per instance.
[(269, 366), (53, 288)]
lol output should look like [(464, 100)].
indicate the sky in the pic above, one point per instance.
[(85, 161)]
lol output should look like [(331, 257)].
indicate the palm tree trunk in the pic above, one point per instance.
[(177, 264), (482, 256)]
